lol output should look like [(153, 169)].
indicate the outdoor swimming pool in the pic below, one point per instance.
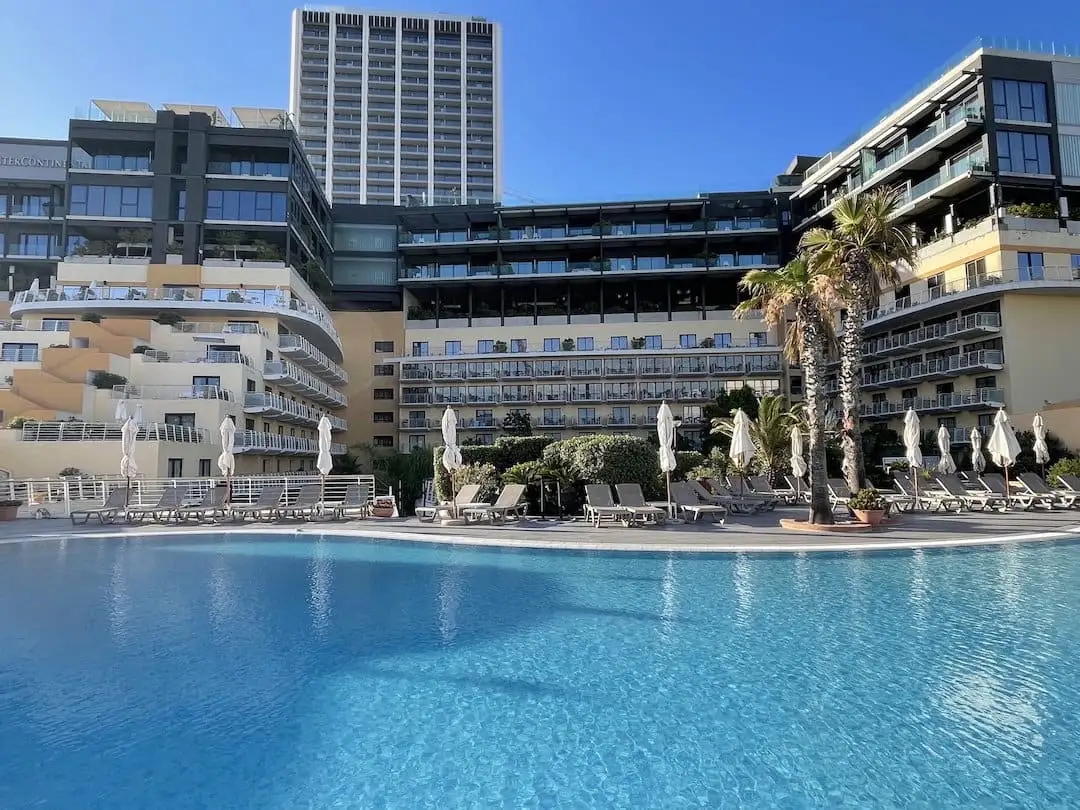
[(287, 672)]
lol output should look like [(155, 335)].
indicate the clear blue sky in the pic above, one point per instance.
[(603, 98)]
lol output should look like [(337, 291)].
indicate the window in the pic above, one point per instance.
[(650, 413), (722, 340), (483, 346), (985, 382), (420, 348), (909, 393), (110, 201), (934, 285), (180, 419), (384, 393), (1076, 265), (204, 468), (245, 206), (653, 342), (759, 339), (205, 386), (551, 344), (384, 441), (417, 443), (687, 341), (250, 386), (620, 342), (452, 347), (519, 345), (986, 422), (1019, 101), (249, 424), (384, 347), (175, 468), (14, 352), (384, 417), (384, 370), (975, 273), (485, 417), (796, 386), (620, 415), (584, 344), (1031, 266), (1023, 152)]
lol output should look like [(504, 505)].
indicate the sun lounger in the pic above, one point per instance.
[(465, 498), (762, 486), (167, 503), (1058, 497), (112, 506), (306, 504), (355, 500), (721, 495), (931, 495), (1070, 482), (799, 488), (839, 493), (995, 483), (630, 496), (970, 499), (212, 504), (508, 503), (599, 504), (264, 507), (740, 487), (690, 504)]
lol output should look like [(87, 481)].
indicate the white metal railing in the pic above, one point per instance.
[(275, 299), (43, 325), (208, 356), (427, 355), (21, 355), (172, 392), (276, 402), (940, 331), (103, 431), (254, 441), (1029, 276), (290, 372), (57, 497), (215, 328), (980, 397), (302, 347)]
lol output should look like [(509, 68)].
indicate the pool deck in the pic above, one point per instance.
[(756, 533)]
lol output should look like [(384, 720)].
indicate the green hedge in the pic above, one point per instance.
[(607, 459), (504, 454)]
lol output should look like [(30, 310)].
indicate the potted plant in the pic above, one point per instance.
[(637, 343), (499, 347), (706, 343), (568, 344), (90, 317), (382, 506), (868, 507), (9, 509), (168, 318)]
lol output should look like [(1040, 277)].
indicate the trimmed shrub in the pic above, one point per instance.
[(107, 380), (714, 465), (607, 459), (1066, 466), (168, 318), (687, 460), (504, 454), (90, 317), (482, 474)]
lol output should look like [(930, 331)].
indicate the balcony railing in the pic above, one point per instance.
[(208, 356), (167, 392), (458, 272), (277, 405), (96, 432), (216, 328), (44, 325), (307, 355), (253, 441), (29, 354), (419, 424), (562, 232), (979, 398), (733, 349), (1052, 276), (936, 333), (296, 379)]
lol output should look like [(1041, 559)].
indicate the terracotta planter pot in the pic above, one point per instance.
[(382, 511), (9, 512), (870, 518)]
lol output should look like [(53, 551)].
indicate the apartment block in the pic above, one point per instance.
[(399, 108), (32, 178), (986, 159)]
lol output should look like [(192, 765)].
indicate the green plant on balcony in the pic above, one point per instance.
[(706, 343), (1027, 210), (235, 297), (231, 242), (142, 348), (168, 318), (90, 317), (137, 238), (106, 380), (174, 248), (70, 472), (499, 347), (637, 343), (265, 252), (567, 344), (96, 247), (419, 313), (58, 346), (602, 228), (18, 422)]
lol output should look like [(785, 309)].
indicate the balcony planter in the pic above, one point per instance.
[(174, 258), (382, 507), (264, 264), (130, 260), (1015, 223), (9, 510), (208, 262), (90, 259)]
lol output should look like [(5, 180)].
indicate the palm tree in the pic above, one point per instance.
[(809, 293), (862, 249), (771, 432)]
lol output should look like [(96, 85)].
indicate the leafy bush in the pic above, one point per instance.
[(607, 459), (867, 500), (482, 474), (714, 465), (1044, 210), (686, 460), (168, 318), (90, 317), (142, 348), (70, 472), (527, 472), (518, 423), (568, 345), (1066, 466), (17, 422), (504, 454), (107, 380)]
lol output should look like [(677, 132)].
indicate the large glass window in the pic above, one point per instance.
[(245, 206), (30, 205), (1020, 101), (1031, 266), (127, 202), (1023, 152)]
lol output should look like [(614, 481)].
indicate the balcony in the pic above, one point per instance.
[(419, 424), (28, 354), (278, 407), (458, 272), (477, 424), (308, 318), (587, 422), (293, 378), (510, 397), (551, 422), (111, 431), (980, 323), (170, 392), (208, 356), (253, 441), (978, 399), (411, 398), (305, 354), (218, 331)]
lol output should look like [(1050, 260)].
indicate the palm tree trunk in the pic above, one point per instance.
[(851, 379), (813, 357)]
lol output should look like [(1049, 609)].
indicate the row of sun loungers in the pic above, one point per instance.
[(509, 505), (272, 503)]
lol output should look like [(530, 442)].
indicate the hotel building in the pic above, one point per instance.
[(398, 108), (986, 159), (32, 178)]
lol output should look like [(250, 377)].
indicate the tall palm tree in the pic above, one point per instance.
[(863, 249), (809, 293)]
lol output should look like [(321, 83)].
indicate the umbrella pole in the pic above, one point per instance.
[(1007, 490), (915, 478), (670, 511)]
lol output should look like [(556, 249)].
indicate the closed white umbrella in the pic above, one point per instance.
[(946, 464), (128, 434), (1003, 446), (121, 414), (978, 460), (1042, 452), (912, 452), (451, 457), (138, 415), (34, 289), (227, 460), (798, 463), (743, 448), (324, 462), (665, 431), (92, 290)]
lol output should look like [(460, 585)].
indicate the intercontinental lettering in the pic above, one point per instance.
[(31, 161)]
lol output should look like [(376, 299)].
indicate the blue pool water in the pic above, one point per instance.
[(279, 672)]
